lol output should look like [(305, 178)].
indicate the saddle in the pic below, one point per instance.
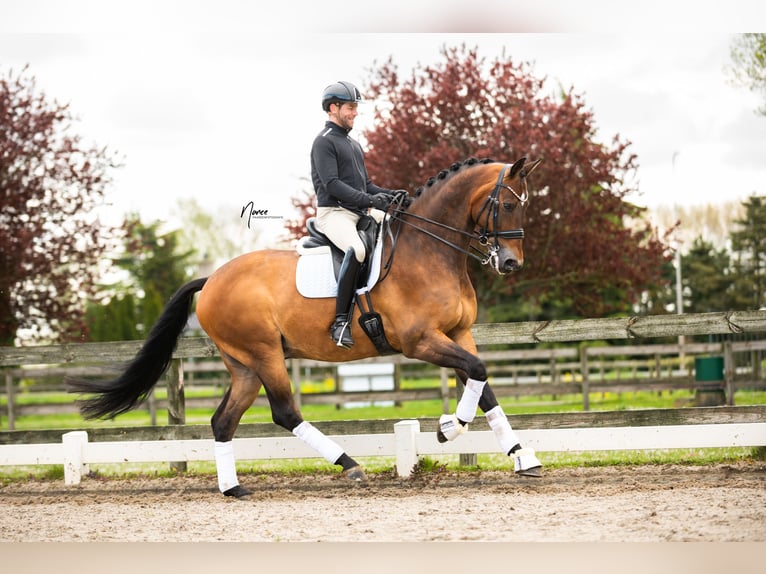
[(368, 231), (316, 274)]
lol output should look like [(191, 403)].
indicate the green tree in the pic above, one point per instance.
[(156, 267), (748, 244), (748, 69), (51, 240), (706, 278)]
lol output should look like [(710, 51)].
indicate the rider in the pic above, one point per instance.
[(344, 194)]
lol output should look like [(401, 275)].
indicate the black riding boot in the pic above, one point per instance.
[(340, 330)]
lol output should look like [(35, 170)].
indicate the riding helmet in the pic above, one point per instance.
[(340, 92)]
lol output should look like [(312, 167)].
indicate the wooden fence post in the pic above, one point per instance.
[(74, 467), (176, 404), (729, 371), (9, 392), (585, 378), (468, 458), (397, 381), (444, 379), (405, 433), (295, 371)]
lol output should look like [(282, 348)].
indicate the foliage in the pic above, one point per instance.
[(305, 206), (588, 250), (156, 269), (706, 278), (748, 69), (748, 243), (50, 238), (216, 236)]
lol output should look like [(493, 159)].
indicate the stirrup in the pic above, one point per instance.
[(340, 333)]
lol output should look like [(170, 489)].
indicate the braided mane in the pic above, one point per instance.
[(452, 170)]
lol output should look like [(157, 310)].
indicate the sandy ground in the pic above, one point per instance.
[(722, 503)]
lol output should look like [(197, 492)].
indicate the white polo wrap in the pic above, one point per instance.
[(224, 465), (499, 424), (466, 407), (313, 437)]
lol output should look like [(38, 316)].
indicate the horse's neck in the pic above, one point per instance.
[(457, 218)]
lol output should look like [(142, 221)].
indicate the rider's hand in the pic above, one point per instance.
[(380, 201), (402, 197)]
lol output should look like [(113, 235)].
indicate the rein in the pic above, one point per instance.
[(491, 207)]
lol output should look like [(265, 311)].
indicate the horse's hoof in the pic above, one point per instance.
[(355, 473), (535, 472), (237, 492), (440, 436)]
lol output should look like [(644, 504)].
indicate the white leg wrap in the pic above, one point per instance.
[(499, 424), (313, 437), (466, 407), (224, 464)]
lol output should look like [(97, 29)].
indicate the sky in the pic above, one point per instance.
[(216, 103)]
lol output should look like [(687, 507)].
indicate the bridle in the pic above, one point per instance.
[(489, 211)]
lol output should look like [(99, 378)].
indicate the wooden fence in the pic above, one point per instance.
[(515, 372), (666, 428), (405, 441)]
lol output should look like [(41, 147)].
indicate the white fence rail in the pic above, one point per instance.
[(405, 444)]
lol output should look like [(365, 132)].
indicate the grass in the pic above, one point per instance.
[(261, 413)]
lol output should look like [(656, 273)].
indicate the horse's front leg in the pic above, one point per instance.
[(461, 354)]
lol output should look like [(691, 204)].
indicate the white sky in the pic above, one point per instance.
[(217, 102)]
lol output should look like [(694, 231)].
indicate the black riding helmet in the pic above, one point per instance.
[(340, 92)]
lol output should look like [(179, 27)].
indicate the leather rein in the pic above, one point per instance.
[(489, 210)]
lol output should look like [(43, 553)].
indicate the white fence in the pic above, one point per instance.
[(406, 444)]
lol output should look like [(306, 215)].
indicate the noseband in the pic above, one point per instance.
[(492, 207), (489, 211)]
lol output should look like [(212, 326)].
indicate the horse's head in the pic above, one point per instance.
[(497, 208)]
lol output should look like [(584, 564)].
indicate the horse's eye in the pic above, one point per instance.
[(508, 206)]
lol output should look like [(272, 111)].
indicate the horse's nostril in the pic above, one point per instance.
[(511, 265)]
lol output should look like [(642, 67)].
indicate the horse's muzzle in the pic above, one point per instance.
[(510, 265)]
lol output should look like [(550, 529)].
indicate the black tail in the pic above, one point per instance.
[(129, 389)]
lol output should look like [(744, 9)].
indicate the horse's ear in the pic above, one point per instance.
[(531, 167), (517, 165)]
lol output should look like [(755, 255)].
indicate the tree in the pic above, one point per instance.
[(748, 69), (156, 268), (50, 237), (215, 236), (748, 244), (705, 278), (588, 250)]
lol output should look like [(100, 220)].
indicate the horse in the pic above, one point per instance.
[(255, 316)]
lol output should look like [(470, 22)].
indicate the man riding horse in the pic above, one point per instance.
[(345, 193)]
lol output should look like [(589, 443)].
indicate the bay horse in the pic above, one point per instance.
[(251, 309)]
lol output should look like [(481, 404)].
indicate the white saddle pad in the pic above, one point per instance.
[(315, 278)]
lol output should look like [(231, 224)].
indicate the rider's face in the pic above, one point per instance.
[(344, 114)]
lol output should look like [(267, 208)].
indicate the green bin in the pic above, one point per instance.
[(709, 369)]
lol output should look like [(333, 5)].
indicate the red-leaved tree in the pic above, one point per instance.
[(50, 240)]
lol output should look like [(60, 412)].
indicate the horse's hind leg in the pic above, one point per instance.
[(286, 414)]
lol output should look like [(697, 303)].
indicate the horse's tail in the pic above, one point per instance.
[(133, 385)]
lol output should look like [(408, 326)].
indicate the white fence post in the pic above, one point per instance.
[(406, 450), (73, 457)]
